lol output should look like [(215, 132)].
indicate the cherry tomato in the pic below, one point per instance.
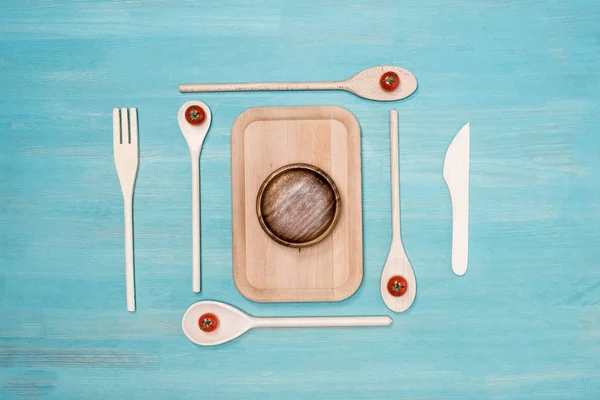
[(208, 322), (389, 81), (195, 115), (397, 286)]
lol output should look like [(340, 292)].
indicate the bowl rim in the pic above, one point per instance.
[(278, 172)]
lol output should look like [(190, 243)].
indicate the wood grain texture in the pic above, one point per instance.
[(298, 205), (264, 140), (523, 323)]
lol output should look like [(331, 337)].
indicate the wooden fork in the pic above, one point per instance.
[(126, 151)]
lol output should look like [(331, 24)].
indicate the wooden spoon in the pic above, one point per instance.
[(398, 284), (194, 120), (364, 84), (209, 323)]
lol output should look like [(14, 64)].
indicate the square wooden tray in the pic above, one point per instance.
[(263, 140)]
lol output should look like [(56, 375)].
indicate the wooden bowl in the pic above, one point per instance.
[(298, 205)]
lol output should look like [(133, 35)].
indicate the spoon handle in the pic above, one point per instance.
[(195, 223), (245, 87), (129, 266), (396, 237), (322, 322)]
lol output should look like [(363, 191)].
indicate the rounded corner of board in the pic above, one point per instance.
[(348, 288), (246, 289), (346, 118), (239, 120)]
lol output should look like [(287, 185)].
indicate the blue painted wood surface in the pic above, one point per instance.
[(523, 323)]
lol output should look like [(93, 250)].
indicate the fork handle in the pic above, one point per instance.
[(129, 268), (195, 223)]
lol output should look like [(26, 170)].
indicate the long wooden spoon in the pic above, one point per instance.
[(209, 323), (194, 119), (365, 84), (398, 283)]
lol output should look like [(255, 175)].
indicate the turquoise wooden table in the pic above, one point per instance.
[(523, 323)]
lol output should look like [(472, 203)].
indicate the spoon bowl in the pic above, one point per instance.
[(232, 323), (194, 134), (366, 84)]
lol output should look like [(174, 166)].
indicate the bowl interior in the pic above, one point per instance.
[(298, 205)]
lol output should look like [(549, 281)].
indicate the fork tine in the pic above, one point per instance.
[(116, 126), (124, 126), (133, 124)]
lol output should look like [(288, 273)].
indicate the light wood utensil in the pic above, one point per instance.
[(457, 168), (209, 323), (365, 84), (264, 140), (126, 154), (398, 283), (194, 131)]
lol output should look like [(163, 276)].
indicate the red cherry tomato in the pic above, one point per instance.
[(389, 81), (208, 322), (195, 115), (397, 286)]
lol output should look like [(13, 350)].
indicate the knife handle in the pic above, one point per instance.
[(460, 232)]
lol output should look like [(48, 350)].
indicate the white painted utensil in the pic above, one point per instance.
[(126, 154), (364, 84), (209, 323), (398, 283), (457, 166), (194, 133)]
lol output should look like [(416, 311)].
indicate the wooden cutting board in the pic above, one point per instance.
[(263, 140)]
